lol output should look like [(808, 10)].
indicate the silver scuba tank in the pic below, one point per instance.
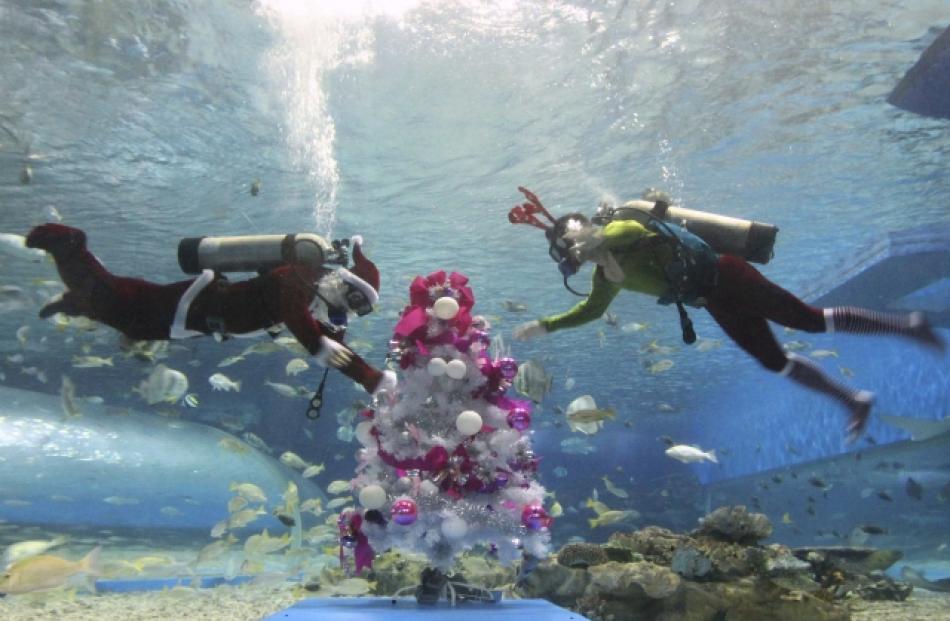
[(754, 241), (256, 253)]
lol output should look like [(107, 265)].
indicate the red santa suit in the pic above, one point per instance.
[(209, 304)]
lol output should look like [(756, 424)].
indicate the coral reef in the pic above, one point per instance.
[(718, 571)]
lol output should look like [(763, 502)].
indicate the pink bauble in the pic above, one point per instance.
[(404, 511), (508, 368), (534, 517), (519, 418)]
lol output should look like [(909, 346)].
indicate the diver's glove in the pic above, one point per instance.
[(333, 354), (387, 383), (529, 330)]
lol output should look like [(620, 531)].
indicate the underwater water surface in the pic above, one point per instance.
[(412, 124)]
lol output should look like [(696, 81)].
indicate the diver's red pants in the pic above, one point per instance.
[(742, 303)]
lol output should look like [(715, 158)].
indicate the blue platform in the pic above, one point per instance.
[(406, 608)]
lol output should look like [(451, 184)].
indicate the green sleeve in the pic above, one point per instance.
[(602, 293), (624, 234)]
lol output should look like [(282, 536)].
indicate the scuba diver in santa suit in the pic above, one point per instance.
[(666, 261), (287, 294)]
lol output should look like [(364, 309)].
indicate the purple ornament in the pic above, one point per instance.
[(508, 368), (501, 478), (480, 336), (519, 418), (534, 517), (404, 512)]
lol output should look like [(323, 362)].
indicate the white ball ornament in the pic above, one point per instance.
[(445, 308), (436, 367), (454, 527), (456, 369), (468, 423), (373, 496), (364, 433)]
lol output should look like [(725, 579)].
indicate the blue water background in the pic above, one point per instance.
[(145, 123)]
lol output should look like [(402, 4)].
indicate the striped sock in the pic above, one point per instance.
[(863, 321)]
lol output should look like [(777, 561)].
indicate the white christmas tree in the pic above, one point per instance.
[(446, 462)]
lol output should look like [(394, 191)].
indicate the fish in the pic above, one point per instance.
[(67, 393), (284, 390), (219, 529), (292, 460), (296, 366), (22, 334), (263, 543), (560, 472), (255, 188), (230, 443), (23, 549), (583, 415), (120, 501), (514, 307), (823, 353), (914, 489), (312, 505), (705, 345), (14, 245), (37, 573), (654, 347), (14, 299), (229, 361), (569, 383), (261, 348), (667, 440), (242, 518), (660, 366), (532, 381), (663, 406), (633, 326), (215, 550), (918, 428), (312, 471), (795, 346), (338, 487), (611, 319), (819, 483), (691, 454), (613, 516), (163, 385), (577, 446), (556, 510), (871, 529), (171, 512), (846, 371), (619, 492), (255, 440), (91, 362), (884, 496), (236, 504), (336, 503), (786, 518), (252, 492), (220, 381), (191, 400), (916, 578)]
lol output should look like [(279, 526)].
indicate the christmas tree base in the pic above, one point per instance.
[(406, 609), (437, 586)]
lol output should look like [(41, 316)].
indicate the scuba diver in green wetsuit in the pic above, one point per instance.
[(651, 255)]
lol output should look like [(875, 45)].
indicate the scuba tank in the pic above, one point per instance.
[(258, 253), (753, 241)]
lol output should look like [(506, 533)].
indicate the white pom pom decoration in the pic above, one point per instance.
[(436, 367), (363, 433), (445, 308), (373, 496), (468, 423), (456, 369), (454, 527)]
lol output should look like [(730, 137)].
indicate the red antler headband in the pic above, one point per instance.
[(524, 213)]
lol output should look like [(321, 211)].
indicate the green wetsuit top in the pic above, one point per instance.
[(642, 265)]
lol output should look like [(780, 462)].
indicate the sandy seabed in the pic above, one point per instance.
[(253, 602)]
